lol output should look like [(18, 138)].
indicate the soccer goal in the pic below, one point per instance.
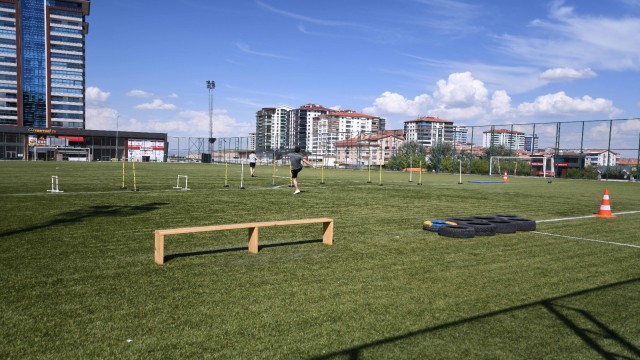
[(530, 165)]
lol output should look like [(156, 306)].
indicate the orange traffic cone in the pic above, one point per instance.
[(505, 177), (605, 207)]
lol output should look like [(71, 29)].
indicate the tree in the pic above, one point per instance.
[(410, 153), (441, 151), (498, 150)]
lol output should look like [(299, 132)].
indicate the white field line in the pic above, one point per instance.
[(587, 217), (585, 239)]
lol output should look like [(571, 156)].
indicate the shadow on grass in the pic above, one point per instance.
[(235, 249), (587, 327), (76, 216)]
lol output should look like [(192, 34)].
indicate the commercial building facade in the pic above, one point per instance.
[(42, 88)]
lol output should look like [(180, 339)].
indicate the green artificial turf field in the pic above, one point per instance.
[(79, 281)]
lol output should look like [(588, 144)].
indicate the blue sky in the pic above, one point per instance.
[(472, 62)]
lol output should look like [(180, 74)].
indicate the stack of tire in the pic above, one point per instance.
[(468, 227)]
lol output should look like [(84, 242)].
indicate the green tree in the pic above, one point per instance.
[(498, 150), (410, 153), (439, 152)]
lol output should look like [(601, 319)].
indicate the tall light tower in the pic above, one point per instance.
[(211, 85)]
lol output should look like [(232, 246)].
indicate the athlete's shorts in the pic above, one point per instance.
[(252, 165), (294, 173)]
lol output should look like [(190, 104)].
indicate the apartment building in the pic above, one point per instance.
[(460, 134), (510, 139), (369, 149), (428, 131), (271, 128), (329, 128), (300, 124)]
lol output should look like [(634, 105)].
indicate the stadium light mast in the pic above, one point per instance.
[(211, 85)]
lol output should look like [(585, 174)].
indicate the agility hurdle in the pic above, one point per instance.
[(54, 185), (327, 232), (186, 183)]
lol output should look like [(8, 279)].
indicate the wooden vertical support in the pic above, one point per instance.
[(253, 240), (159, 253), (327, 233)]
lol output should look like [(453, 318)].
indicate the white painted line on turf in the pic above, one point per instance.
[(585, 239), (587, 217)]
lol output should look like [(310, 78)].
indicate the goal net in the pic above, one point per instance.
[(525, 166)]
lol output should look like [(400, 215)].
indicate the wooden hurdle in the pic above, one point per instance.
[(327, 232)]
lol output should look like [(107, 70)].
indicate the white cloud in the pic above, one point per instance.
[(192, 123), (393, 103), (101, 118), (561, 104), (94, 94), (462, 97), (156, 104), (565, 73), (460, 90), (139, 94), (581, 41), (173, 96), (501, 104)]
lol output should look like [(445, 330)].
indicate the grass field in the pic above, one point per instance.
[(79, 281)]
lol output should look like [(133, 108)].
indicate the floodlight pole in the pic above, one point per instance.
[(210, 85)]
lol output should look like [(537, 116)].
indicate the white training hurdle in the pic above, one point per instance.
[(186, 183), (54, 185)]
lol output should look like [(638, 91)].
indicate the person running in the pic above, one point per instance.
[(252, 163), (296, 166)]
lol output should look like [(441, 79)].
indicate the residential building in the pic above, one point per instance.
[(369, 148), (531, 143), (328, 128), (429, 130), (300, 124), (599, 157), (460, 134), (252, 141), (510, 139), (271, 128)]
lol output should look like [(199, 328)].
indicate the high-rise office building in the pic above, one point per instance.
[(42, 63)]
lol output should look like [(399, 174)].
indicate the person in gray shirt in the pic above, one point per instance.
[(296, 166)]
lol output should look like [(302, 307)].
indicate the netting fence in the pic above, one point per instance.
[(589, 148)]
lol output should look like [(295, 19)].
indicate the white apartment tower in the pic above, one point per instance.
[(510, 139), (428, 130)]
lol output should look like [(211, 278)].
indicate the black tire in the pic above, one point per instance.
[(485, 217), (524, 224), (507, 216), (457, 231), (461, 220), (482, 228), (504, 226)]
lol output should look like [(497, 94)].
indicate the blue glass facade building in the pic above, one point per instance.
[(42, 68)]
